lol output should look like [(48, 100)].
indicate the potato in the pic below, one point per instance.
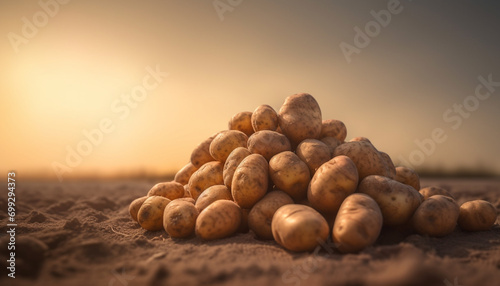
[(360, 138), (212, 194), (436, 216), (333, 128), (201, 154), (299, 227), (290, 174), (225, 142), (358, 223), (150, 215), (300, 118), (183, 175), (332, 183), (135, 205), (477, 215), (396, 200), (408, 176), (220, 219), (433, 190), (189, 200), (314, 153), (232, 162), (264, 117), (207, 175), (170, 190), (332, 143), (250, 181), (261, 215), (187, 194), (179, 218), (390, 165), (268, 143), (241, 121)]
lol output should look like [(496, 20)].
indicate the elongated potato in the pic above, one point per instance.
[(207, 175), (333, 128), (314, 153), (170, 190), (358, 223), (241, 121), (436, 216), (183, 175), (290, 174), (434, 190), (268, 143), (201, 154), (179, 218), (212, 194), (261, 215), (220, 219), (477, 215), (150, 215), (250, 181), (135, 205), (232, 162), (264, 117), (408, 176), (225, 142)]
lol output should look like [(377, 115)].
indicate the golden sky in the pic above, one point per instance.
[(68, 69)]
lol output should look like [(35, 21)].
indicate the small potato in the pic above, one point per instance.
[(183, 175), (250, 181), (332, 183), (436, 216), (261, 215), (220, 219), (135, 205), (358, 223), (332, 143), (477, 215), (290, 174), (264, 117), (408, 176), (170, 190), (179, 218), (150, 215), (299, 228), (268, 143), (333, 128), (212, 194), (432, 191), (232, 162), (225, 142), (390, 166), (201, 154), (187, 194), (241, 121), (360, 138), (396, 200), (314, 153), (207, 175)]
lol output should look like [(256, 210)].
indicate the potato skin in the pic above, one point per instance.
[(432, 191), (314, 153), (299, 227), (264, 117), (135, 205), (150, 215), (232, 162), (436, 216), (241, 121), (391, 169), (201, 154), (332, 183), (183, 175), (268, 143), (261, 215), (179, 218), (225, 142), (206, 176), (332, 143), (170, 190), (333, 128), (212, 194), (477, 215), (220, 219), (250, 181), (358, 223), (407, 176), (290, 174)]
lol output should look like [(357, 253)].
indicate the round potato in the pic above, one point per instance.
[(207, 175), (332, 143), (220, 219), (290, 174), (268, 143), (360, 138), (408, 176), (232, 162), (187, 194), (333, 128), (179, 218), (150, 215), (299, 227), (358, 223), (170, 190), (183, 175), (390, 165), (184, 199), (477, 215), (264, 117), (314, 153), (225, 142), (250, 181), (332, 183), (212, 194), (241, 121), (300, 118), (261, 215), (396, 200), (201, 154), (135, 205), (436, 216), (432, 191)]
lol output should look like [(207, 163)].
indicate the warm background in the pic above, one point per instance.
[(67, 77)]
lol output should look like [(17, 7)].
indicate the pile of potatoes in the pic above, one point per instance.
[(291, 176)]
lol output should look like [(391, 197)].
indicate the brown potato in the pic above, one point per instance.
[(332, 143), (183, 175), (150, 215), (299, 227), (408, 176), (201, 154), (268, 143), (135, 205), (390, 166), (314, 153), (436, 216), (250, 181), (189, 200), (225, 142), (290, 174), (332, 183), (477, 215), (360, 138), (220, 219), (212, 194), (232, 162), (187, 194), (432, 191), (179, 218), (333, 128), (261, 215), (241, 121), (358, 223), (264, 117), (207, 175), (170, 190)]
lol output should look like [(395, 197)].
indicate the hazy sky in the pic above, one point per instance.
[(67, 69)]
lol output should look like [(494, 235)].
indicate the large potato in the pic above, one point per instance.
[(135, 205), (408, 176), (314, 153), (358, 223), (432, 191), (333, 128), (225, 142), (264, 117), (477, 215), (332, 183), (396, 200), (268, 143), (250, 181), (299, 227), (150, 215), (332, 143), (436, 216), (206, 176), (179, 218), (300, 118), (220, 219), (169, 190), (241, 121), (232, 162), (183, 175), (261, 215), (201, 154), (290, 174), (212, 194)]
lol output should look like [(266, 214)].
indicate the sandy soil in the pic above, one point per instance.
[(80, 233)]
